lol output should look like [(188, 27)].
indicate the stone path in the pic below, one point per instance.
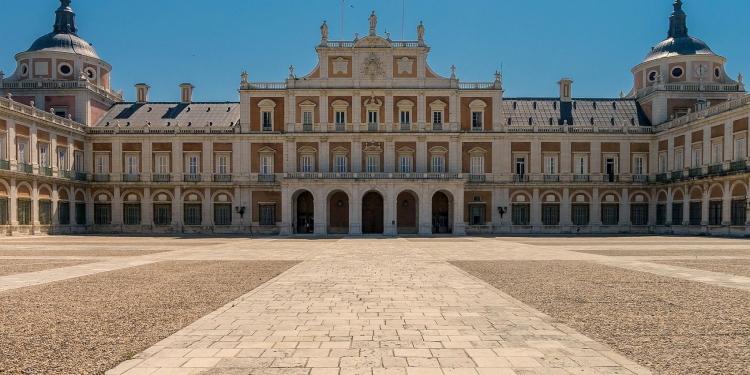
[(377, 307)]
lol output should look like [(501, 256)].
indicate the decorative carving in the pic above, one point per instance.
[(291, 72), (340, 65), (372, 68), (405, 65), (453, 72)]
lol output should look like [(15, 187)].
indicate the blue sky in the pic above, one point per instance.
[(209, 43)]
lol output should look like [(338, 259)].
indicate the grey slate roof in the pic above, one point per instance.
[(684, 46), (215, 114), (577, 112), (68, 43)]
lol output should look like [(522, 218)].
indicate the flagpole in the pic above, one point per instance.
[(342, 19), (403, 14)]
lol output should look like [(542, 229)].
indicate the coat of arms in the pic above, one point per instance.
[(372, 68)]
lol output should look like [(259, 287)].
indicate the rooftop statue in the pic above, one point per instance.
[(373, 23), (324, 31), (420, 31)]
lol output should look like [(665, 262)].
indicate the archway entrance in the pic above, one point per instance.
[(305, 213), (372, 213), (406, 213), (440, 213), (338, 213)]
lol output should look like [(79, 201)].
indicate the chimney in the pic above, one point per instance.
[(187, 93), (565, 90), (141, 93)]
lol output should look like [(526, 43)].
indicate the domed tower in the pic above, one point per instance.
[(62, 73), (681, 74)]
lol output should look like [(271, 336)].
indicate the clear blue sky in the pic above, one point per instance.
[(208, 43)]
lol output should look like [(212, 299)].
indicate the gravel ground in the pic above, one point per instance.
[(656, 253), (88, 325), (16, 266), (78, 253), (739, 267), (670, 325)]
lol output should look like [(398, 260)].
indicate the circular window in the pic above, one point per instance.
[(652, 76), (717, 72), (64, 69), (24, 70), (90, 73), (677, 72)]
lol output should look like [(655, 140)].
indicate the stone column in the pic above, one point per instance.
[(323, 112), (388, 118), (390, 202), (565, 218), (669, 206), (726, 206), (356, 112), (53, 155), (355, 212), (33, 151), (454, 157), (596, 211), (323, 155), (625, 210), (704, 209), (207, 205), (595, 158), (177, 159), (146, 161), (536, 214), (390, 155), (208, 165), (625, 159), (321, 211), (55, 212), (459, 226), (285, 228), (177, 220), (356, 155), (421, 157), (35, 204), (425, 212), (147, 211), (117, 215)]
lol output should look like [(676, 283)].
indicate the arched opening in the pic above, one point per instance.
[(372, 213), (338, 213), (305, 213), (406, 213), (440, 213)]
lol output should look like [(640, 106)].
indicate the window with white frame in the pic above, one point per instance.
[(438, 114), (2, 147), (62, 158), (131, 164), (340, 117), (306, 164), (101, 164), (339, 163), (716, 156), (79, 162), (477, 165), (267, 120), (639, 165), (739, 149), (520, 165), (477, 108), (23, 151), (307, 118), (581, 164), (438, 164), (161, 164), (43, 155), (550, 165), (405, 163), (697, 157), (372, 117), (267, 107), (662, 163), (266, 164), (222, 164), (678, 160), (372, 163), (191, 161), (339, 114)]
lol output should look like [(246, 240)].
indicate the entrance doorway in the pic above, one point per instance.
[(305, 213), (338, 213), (440, 213), (372, 213), (406, 213)]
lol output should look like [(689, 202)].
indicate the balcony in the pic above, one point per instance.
[(581, 178), (640, 178), (521, 178), (437, 126), (64, 174), (372, 126), (405, 126), (192, 178), (307, 127), (100, 177), (129, 177), (161, 177), (611, 178), (45, 171), (5, 165), (551, 178), (696, 172), (340, 127), (715, 169), (25, 168), (80, 176), (477, 178), (735, 166), (222, 178), (661, 177), (266, 178), (676, 175), (372, 176)]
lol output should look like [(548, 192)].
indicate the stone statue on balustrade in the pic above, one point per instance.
[(324, 31), (373, 23)]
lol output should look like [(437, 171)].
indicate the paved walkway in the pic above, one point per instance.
[(377, 307)]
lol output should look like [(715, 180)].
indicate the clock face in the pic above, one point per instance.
[(701, 71)]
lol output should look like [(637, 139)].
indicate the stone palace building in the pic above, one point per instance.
[(373, 141)]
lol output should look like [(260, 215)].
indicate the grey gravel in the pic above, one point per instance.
[(16, 266), (654, 253), (739, 267), (90, 324), (670, 325), (78, 253)]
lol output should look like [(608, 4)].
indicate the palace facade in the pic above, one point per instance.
[(373, 141)]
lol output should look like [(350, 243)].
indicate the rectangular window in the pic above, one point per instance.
[(43, 155), (24, 212), (267, 121), (2, 149), (372, 163), (405, 117), (222, 214), (678, 158), (102, 164), (63, 213), (639, 214), (162, 214), (266, 165), (80, 213), (340, 117), (193, 213), (192, 164), (45, 212), (23, 153), (662, 163), (131, 214), (696, 214), (520, 214), (3, 211), (405, 163), (697, 158), (739, 149), (661, 214), (550, 214), (714, 213), (477, 214), (162, 164), (62, 157), (476, 120), (307, 118), (520, 166), (638, 166), (580, 214), (102, 213), (581, 165), (677, 213), (339, 164), (267, 214), (477, 165), (222, 164), (306, 164), (610, 214), (716, 157), (550, 165), (131, 164), (738, 212), (438, 164), (79, 162), (372, 117), (437, 120)]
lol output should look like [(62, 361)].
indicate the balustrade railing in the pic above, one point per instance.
[(640, 178), (100, 177), (477, 178), (130, 177), (266, 178), (521, 178), (715, 169), (222, 178), (581, 178), (62, 173), (5, 165), (696, 172), (405, 126), (45, 171), (25, 168), (661, 177), (551, 178), (191, 178), (677, 175), (372, 127), (80, 176), (340, 127), (161, 177), (739, 165)]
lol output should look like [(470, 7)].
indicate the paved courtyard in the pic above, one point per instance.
[(382, 306)]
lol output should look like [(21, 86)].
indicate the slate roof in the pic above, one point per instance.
[(577, 112), (216, 114)]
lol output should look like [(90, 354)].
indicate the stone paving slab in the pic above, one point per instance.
[(376, 308)]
